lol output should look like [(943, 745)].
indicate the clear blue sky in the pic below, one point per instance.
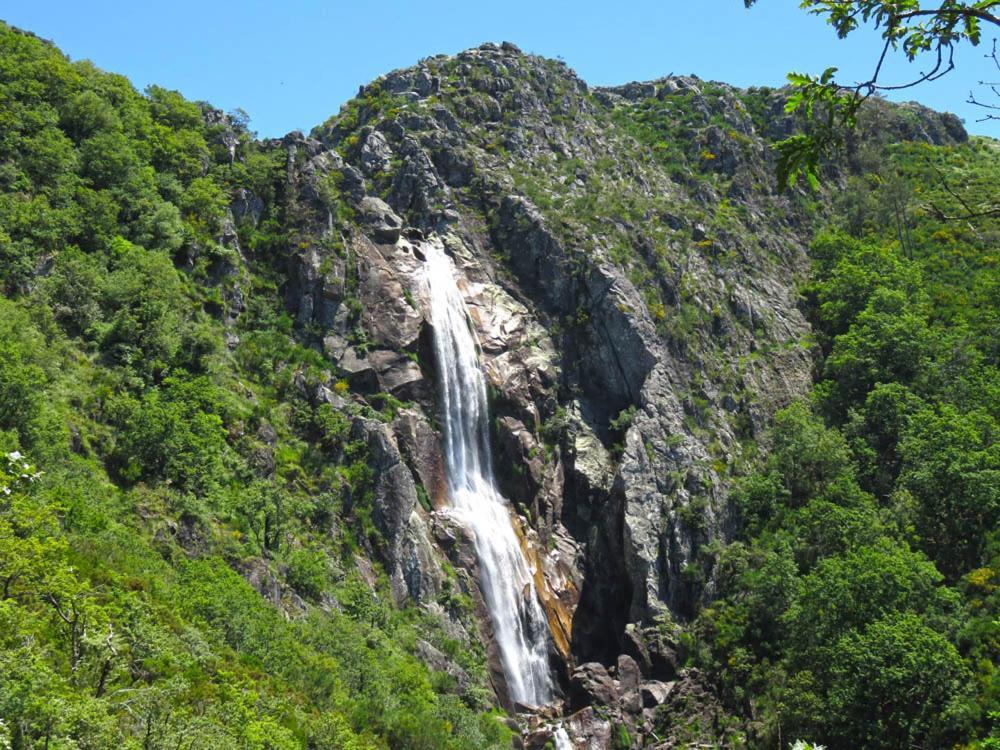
[(291, 65)]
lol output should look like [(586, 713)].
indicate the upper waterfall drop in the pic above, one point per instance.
[(520, 626)]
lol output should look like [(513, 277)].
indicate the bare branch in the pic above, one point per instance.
[(993, 86), (970, 212), (941, 215)]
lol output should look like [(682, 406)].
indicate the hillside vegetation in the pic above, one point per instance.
[(860, 604), (190, 549), (145, 460)]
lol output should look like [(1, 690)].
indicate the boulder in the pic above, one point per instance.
[(591, 684), (655, 692), (380, 219), (399, 375), (628, 673), (691, 714), (653, 651), (628, 684), (376, 155), (360, 370), (588, 730)]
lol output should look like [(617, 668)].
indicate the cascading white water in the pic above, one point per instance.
[(562, 739), (519, 625)]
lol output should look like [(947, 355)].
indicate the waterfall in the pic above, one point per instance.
[(519, 625), (562, 740)]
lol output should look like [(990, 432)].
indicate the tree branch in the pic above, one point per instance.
[(970, 212), (993, 87), (982, 15)]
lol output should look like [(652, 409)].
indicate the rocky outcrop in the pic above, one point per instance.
[(395, 497), (590, 684), (265, 582), (376, 216), (691, 715), (421, 445), (618, 707)]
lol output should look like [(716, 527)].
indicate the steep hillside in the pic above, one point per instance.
[(225, 502)]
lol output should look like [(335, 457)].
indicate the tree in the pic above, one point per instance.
[(951, 466), (848, 592), (889, 342), (896, 684), (905, 25)]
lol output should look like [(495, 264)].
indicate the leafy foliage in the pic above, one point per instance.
[(831, 108), (144, 464), (853, 610)]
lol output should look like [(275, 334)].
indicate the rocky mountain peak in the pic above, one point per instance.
[(627, 257), (621, 306)]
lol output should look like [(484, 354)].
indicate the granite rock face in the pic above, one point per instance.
[(630, 272)]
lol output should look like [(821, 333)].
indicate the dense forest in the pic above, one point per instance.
[(163, 462), (860, 603)]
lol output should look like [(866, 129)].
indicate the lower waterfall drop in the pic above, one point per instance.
[(520, 627), (562, 740)]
